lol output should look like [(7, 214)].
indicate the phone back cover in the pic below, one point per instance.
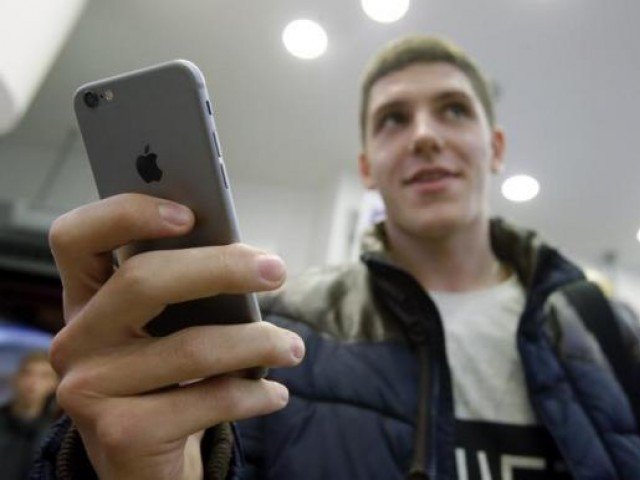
[(159, 115)]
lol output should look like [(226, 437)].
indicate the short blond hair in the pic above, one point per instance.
[(423, 49)]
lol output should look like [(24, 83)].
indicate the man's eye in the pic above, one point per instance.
[(456, 111), (391, 119)]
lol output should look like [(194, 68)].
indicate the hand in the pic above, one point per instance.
[(120, 385)]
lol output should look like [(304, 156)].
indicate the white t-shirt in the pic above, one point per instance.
[(497, 434), (480, 335)]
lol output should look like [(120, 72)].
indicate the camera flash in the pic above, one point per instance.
[(108, 95)]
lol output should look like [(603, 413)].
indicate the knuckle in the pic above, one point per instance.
[(60, 234), (227, 260), (234, 259), (77, 385), (192, 350), (127, 198), (68, 397), (65, 397), (57, 353), (132, 277), (64, 349), (60, 351), (231, 401), (236, 250), (81, 381), (123, 217)]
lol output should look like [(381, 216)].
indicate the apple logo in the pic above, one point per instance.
[(147, 166)]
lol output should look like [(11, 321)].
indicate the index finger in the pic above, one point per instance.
[(82, 240)]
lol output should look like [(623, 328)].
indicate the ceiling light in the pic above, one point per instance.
[(385, 11), (305, 39), (638, 235), (520, 188)]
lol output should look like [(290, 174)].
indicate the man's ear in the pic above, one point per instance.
[(364, 167), (498, 148)]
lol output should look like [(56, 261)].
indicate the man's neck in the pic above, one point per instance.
[(456, 262)]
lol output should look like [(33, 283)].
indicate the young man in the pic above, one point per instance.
[(450, 350), (25, 419)]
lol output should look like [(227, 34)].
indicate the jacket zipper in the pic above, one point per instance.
[(424, 461)]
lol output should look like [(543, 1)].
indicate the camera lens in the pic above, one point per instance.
[(91, 99)]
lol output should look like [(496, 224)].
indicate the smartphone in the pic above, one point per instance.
[(152, 131)]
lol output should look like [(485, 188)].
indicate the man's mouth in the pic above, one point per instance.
[(429, 176)]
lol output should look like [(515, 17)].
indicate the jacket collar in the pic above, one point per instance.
[(536, 263)]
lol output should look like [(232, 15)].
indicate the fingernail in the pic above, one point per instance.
[(297, 348), (271, 268), (175, 214), (283, 393)]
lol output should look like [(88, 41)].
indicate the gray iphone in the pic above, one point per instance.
[(152, 131)]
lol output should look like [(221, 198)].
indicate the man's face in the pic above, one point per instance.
[(35, 381), (429, 149)]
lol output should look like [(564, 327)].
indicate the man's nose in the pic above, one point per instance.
[(426, 138)]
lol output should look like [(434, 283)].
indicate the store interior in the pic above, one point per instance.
[(566, 76)]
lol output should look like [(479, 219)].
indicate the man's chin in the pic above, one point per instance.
[(436, 225)]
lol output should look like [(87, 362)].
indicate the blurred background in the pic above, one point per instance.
[(567, 77)]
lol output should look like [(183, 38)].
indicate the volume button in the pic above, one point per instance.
[(224, 174), (216, 145)]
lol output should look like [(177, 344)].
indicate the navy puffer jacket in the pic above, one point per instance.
[(375, 354)]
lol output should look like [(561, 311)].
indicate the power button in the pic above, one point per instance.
[(224, 174)]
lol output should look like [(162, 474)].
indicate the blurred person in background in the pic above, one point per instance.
[(27, 416)]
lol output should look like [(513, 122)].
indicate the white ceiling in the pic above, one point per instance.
[(569, 72)]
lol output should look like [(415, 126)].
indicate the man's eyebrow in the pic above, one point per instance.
[(453, 95), (386, 106)]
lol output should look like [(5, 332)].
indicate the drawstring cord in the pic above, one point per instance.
[(418, 468)]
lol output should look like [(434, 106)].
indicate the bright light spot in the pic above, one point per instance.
[(638, 235), (305, 39), (520, 188), (385, 11)]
